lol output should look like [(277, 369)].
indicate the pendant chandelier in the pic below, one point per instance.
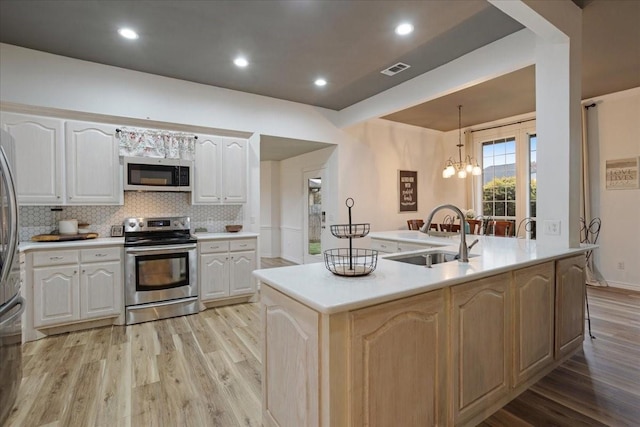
[(461, 168)]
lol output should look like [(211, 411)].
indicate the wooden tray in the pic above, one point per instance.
[(63, 237)]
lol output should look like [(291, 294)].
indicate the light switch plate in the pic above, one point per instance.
[(552, 227)]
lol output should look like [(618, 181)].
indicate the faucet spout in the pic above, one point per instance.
[(463, 252)]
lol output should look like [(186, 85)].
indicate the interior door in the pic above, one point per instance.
[(314, 216)]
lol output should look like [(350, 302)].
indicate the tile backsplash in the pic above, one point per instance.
[(41, 220)]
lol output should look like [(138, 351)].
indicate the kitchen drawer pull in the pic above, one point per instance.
[(383, 246), (54, 258), (243, 245), (100, 255)]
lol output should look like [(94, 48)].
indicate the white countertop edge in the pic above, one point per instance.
[(71, 244), (225, 236)]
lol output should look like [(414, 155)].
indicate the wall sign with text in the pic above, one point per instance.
[(622, 174), (408, 181)]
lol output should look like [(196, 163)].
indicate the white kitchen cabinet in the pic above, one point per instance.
[(76, 285), (220, 170), (93, 172), (39, 157), (234, 170), (391, 246), (56, 295), (226, 267), (101, 290)]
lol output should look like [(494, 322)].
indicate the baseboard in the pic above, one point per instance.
[(623, 285)]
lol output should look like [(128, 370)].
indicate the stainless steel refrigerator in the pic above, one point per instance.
[(11, 303)]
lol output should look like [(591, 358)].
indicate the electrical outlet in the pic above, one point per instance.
[(620, 265), (209, 221), (552, 227)]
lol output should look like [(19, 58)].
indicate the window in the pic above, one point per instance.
[(507, 189), (533, 140), (499, 178)]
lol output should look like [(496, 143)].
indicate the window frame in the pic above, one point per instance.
[(520, 132)]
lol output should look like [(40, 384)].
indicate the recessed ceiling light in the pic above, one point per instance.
[(320, 82), (128, 33), (241, 62), (404, 29)]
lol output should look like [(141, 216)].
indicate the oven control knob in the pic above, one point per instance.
[(141, 224), (132, 224)]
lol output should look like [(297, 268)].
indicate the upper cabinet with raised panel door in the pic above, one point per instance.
[(220, 170), (39, 157), (92, 164), (62, 162)]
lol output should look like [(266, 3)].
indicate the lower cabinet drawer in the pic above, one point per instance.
[(55, 258), (387, 246), (213, 246), (100, 254), (243, 245)]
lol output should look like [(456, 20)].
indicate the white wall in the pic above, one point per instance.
[(369, 165), (292, 197), (613, 133), (270, 209)]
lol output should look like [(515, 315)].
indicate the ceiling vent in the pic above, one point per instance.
[(395, 69)]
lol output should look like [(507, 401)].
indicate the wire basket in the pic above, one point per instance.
[(351, 262), (345, 231)]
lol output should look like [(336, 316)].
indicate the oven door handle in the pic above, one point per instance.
[(161, 249)]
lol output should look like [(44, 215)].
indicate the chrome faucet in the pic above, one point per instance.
[(463, 252)]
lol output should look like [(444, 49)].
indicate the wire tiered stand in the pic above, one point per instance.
[(350, 262)]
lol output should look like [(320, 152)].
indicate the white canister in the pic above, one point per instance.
[(68, 226)]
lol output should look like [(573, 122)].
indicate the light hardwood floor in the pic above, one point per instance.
[(204, 370)]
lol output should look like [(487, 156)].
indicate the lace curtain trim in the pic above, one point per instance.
[(150, 143)]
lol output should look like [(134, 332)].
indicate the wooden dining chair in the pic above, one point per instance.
[(475, 225), (502, 228), (528, 225), (453, 228), (415, 224)]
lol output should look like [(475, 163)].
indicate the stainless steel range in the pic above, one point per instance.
[(160, 269)]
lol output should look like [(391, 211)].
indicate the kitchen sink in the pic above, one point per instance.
[(428, 258)]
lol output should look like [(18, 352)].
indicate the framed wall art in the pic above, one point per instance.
[(622, 174), (408, 191)]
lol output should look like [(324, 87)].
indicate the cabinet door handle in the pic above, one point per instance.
[(383, 246), (84, 271), (243, 245), (54, 258), (100, 255), (75, 271)]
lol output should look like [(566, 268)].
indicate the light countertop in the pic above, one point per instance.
[(318, 288), (71, 244), (112, 241), (225, 236)]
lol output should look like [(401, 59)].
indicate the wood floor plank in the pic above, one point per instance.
[(143, 353), (203, 334), (61, 383), (148, 407), (217, 409), (245, 405), (178, 392), (83, 399), (115, 393)]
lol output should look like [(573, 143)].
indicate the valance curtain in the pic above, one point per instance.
[(152, 143)]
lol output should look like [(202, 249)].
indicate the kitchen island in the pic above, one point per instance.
[(415, 346)]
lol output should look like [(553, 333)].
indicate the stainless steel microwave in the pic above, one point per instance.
[(153, 174)]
